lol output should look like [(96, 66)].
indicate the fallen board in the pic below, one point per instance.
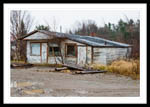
[(17, 65), (59, 69), (76, 67), (89, 72)]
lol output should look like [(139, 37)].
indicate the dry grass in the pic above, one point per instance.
[(38, 64), (15, 61), (48, 65), (66, 71), (129, 68)]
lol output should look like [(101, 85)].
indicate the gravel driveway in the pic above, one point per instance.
[(29, 82)]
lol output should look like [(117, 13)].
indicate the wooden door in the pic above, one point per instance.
[(44, 53), (81, 59)]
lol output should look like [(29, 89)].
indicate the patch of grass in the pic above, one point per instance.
[(129, 68), (98, 67), (38, 64), (49, 65), (15, 61)]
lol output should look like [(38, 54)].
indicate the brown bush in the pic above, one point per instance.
[(129, 68)]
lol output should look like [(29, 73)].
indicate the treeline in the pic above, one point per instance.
[(124, 32)]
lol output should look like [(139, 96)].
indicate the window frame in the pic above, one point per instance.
[(31, 54), (71, 44), (53, 52)]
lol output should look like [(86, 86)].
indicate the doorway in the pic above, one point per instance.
[(44, 53)]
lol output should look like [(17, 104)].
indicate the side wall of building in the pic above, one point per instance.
[(107, 55), (85, 54)]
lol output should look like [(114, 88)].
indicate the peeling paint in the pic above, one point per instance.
[(107, 55), (44, 53), (81, 55), (101, 55), (89, 55), (51, 60), (37, 35)]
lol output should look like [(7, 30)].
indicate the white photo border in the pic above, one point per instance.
[(80, 100)]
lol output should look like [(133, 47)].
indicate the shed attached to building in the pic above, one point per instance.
[(56, 48)]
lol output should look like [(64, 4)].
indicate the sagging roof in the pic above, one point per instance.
[(89, 40)]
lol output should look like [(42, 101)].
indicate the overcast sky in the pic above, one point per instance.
[(68, 18)]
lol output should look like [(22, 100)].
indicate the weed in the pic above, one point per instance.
[(129, 68)]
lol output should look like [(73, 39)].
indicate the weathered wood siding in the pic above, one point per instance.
[(44, 53), (73, 60), (88, 54), (30, 58), (69, 59), (81, 56), (37, 36), (107, 55), (52, 60), (85, 54)]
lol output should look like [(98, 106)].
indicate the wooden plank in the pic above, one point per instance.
[(89, 72), (47, 53), (76, 67), (13, 65), (92, 54), (59, 69), (82, 70)]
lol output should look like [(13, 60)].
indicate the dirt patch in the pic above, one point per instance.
[(59, 84), (35, 91), (23, 84)]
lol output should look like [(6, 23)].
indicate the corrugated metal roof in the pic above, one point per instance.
[(89, 40), (93, 41)]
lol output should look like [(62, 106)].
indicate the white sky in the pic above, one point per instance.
[(68, 18)]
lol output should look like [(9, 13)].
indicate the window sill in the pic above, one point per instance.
[(35, 55), (54, 56), (72, 56)]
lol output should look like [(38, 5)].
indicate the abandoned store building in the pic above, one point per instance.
[(56, 48)]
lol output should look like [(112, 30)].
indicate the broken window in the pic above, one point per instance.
[(35, 48), (54, 51), (50, 51), (71, 50)]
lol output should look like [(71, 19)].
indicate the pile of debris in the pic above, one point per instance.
[(66, 68), (75, 69), (21, 65)]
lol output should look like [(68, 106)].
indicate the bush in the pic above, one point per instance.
[(129, 68)]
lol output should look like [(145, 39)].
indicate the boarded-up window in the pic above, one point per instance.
[(71, 50), (35, 48)]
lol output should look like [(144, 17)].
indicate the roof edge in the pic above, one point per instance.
[(20, 38)]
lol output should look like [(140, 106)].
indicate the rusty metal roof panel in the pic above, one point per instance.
[(89, 40), (96, 41)]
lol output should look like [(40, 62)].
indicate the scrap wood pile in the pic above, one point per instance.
[(75, 69), (20, 65), (65, 68)]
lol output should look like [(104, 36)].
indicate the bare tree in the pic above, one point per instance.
[(20, 24), (47, 24), (54, 25)]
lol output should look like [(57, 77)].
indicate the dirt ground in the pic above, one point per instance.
[(33, 82)]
